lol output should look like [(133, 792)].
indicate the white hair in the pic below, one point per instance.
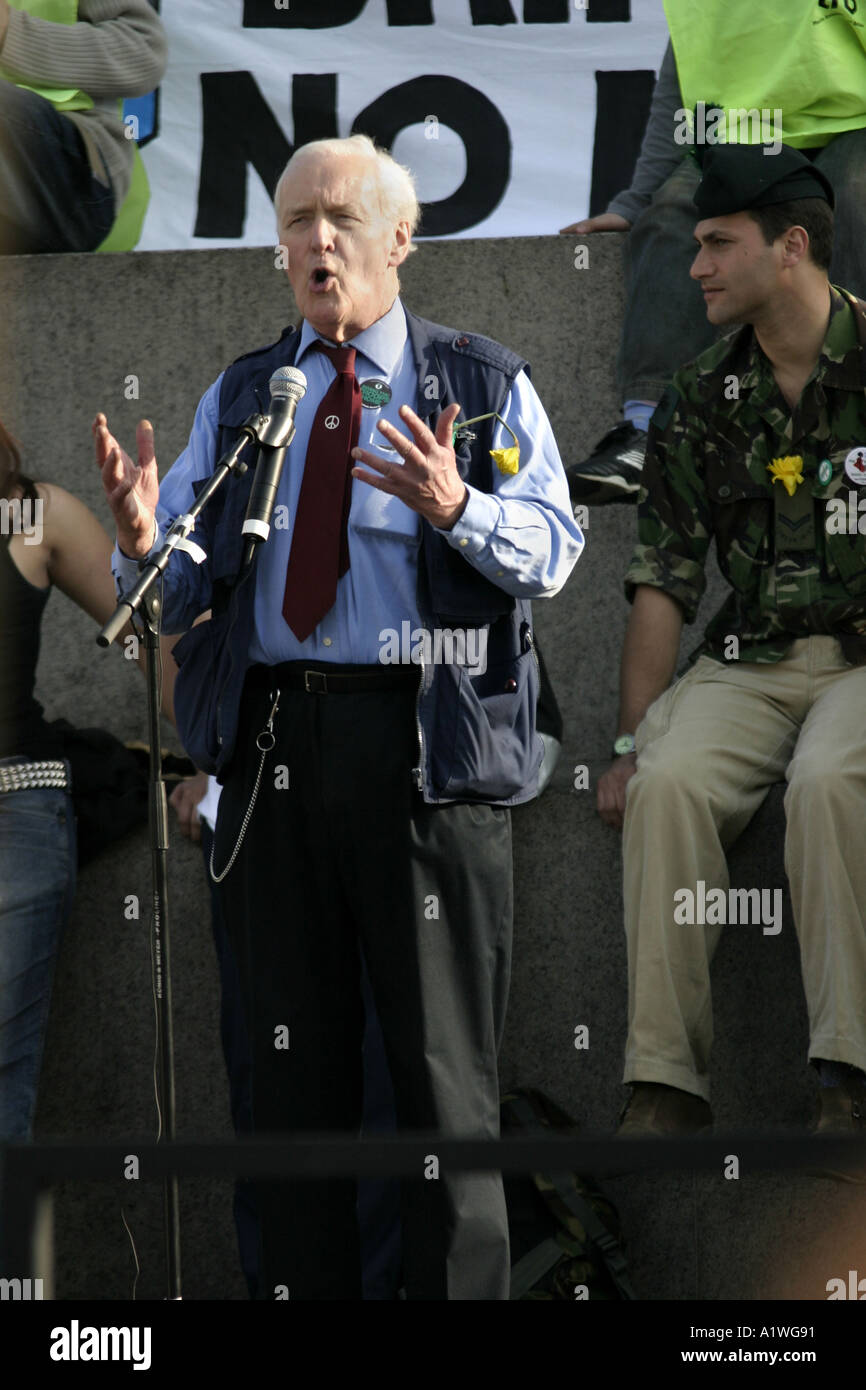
[(395, 184)]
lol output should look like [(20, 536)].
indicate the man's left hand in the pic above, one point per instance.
[(427, 480), (185, 799)]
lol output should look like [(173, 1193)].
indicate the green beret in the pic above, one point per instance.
[(736, 178)]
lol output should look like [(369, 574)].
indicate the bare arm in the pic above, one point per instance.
[(78, 553), (78, 556), (649, 653), (649, 658)]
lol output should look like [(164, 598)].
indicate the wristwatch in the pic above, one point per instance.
[(622, 745)]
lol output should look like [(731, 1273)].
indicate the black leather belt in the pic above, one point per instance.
[(318, 680)]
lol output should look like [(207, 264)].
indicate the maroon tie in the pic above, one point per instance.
[(320, 540)]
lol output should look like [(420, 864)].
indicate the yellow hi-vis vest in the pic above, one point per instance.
[(805, 59), (126, 229)]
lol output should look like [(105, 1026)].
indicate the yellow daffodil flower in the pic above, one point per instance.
[(506, 460), (788, 471)]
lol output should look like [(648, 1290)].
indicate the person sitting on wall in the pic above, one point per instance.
[(753, 444), (67, 168), (779, 72)]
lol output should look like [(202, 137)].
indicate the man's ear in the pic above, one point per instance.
[(795, 246), (401, 244)]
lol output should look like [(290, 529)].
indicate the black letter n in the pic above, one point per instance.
[(238, 128)]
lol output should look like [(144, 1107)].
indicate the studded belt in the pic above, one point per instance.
[(19, 777)]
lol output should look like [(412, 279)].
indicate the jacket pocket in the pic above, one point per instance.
[(497, 752), (203, 665), (741, 511)]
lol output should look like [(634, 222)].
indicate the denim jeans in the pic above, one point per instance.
[(49, 197), (37, 882), (665, 323)]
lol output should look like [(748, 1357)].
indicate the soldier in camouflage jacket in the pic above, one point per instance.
[(792, 562), (761, 444)]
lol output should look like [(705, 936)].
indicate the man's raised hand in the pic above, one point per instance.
[(427, 480), (132, 490)]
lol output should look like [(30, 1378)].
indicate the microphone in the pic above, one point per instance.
[(287, 387)]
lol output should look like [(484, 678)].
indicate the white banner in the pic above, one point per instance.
[(498, 120)]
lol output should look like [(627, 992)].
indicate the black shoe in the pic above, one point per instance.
[(612, 473)]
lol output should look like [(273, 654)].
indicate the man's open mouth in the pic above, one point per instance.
[(322, 277)]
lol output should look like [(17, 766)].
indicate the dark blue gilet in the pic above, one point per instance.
[(477, 738)]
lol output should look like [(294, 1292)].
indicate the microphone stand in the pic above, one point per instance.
[(144, 599)]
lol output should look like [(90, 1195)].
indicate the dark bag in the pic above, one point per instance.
[(564, 1232), (109, 787)]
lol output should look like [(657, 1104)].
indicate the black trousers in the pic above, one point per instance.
[(348, 853)]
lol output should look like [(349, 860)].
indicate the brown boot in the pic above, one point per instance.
[(842, 1110), (654, 1109)]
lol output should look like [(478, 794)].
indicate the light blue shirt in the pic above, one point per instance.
[(522, 536)]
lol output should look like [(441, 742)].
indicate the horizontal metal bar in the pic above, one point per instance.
[(332, 1155)]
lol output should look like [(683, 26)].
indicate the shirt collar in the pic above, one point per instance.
[(382, 343), (838, 361)]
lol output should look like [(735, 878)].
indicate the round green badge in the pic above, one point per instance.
[(375, 393), (825, 472)]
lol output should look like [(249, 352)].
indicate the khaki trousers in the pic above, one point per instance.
[(708, 751)]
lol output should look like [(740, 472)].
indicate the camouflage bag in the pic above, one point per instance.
[(564, 1232)]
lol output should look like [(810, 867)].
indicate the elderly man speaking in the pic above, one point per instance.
[(366, 779)]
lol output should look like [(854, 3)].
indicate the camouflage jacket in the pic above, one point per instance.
[(796, 564)]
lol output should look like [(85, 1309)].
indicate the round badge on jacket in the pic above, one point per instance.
[(375, 393), (855, 465)]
